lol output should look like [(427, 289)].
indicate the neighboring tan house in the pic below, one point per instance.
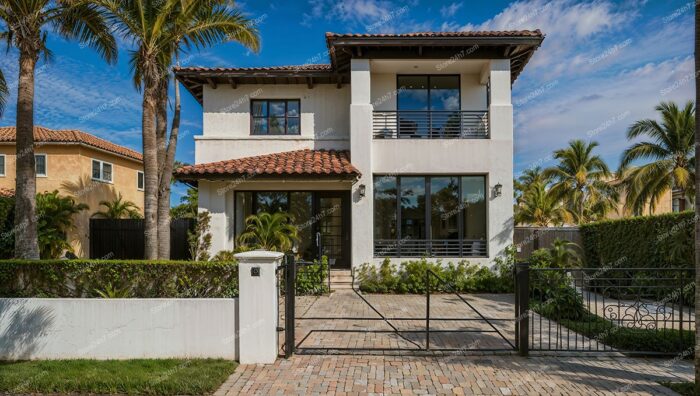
[(664, 205), (400, 147), (81, 165)]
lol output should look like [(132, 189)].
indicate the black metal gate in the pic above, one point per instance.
[(417, 339)]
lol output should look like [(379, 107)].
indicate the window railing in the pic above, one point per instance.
[(430, 248), (419, 124)]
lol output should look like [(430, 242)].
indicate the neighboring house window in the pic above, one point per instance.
[(139, 180), (275, 117), (676, 205), (101, 171), (2, 164), (40, 164), (416, 216)]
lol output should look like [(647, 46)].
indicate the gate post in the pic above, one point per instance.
[(522, 302), (290, 276), (258, 306)]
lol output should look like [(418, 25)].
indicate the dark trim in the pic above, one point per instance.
[(286, 117)]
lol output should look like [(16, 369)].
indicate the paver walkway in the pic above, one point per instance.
[(479, 375)]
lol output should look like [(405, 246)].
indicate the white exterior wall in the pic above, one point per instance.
[(226, 136), (226, 121), (78, 328)]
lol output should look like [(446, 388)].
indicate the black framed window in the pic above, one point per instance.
[(442, 216), (428, 104), (275, 116)]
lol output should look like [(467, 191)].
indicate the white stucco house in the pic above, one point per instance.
[(400, 147)]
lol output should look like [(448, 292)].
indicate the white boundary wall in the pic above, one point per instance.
[(133, 328)]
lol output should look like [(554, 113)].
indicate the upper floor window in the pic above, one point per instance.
[(2, 164), (40, 164), (434, 93), (101, 171), (139, 180), (276, 117)]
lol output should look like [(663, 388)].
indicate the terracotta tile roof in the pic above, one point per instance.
[(491, 33), (290, 163), (45, 135), (307, 67), (6, 192)]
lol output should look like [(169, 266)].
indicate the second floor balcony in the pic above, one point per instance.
[(435, 124)]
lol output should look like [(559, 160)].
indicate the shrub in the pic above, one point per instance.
[(312, 279), (410, 277), (118, 278), (641, 242)]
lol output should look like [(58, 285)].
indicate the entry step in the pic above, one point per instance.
[(341, 279)]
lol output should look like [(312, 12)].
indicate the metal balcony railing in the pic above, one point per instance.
[(430, 248), (419, 124)]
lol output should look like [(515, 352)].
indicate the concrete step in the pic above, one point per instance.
[(341, 279)]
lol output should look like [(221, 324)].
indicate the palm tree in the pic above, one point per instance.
[(580, 180), (538, 207), (28, 23), (159, 31), (528, 179), (671, 152), (697, 202), (270, 232), (118, 209), (3, 93)]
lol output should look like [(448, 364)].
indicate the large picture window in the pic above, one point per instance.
[(438, 216), (428, 105), (275, 117)]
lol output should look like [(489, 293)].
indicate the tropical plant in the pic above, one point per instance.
[(580, 180), (539, 207), (118, 209), (55, 214), (28, 23), (672, 155), (3, 93), (188, 205), (565, 254), (111, 291), (530, 178), (268, 231), (159, 31), (199, 239), (697, 204)]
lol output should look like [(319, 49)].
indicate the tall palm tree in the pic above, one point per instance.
[(671, 152), (530, 177), (160, 30), (580, 180), (3, 93), (118, 209), (697, 201), (28, 23), (541, 208)]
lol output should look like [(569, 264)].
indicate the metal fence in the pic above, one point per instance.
[(124, 238), (648, 311), (434, 124), (529, 239)]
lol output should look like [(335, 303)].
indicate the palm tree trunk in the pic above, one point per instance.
[(26, 236), (697, 201), (150, 170), (166, 170)]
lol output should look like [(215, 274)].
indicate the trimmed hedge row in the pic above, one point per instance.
[(660, 241), (118, 279)]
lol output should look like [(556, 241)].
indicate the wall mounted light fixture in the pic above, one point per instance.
[(497, 190), (362, 190)]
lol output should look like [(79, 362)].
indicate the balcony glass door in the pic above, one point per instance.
[(428, 106)]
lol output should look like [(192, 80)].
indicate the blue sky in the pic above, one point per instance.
[(603, 65)]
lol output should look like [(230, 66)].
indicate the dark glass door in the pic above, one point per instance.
[(333, 226)]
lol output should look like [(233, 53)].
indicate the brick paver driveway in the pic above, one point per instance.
[(480, 375)]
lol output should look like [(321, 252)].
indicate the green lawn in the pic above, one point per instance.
[(142, 377)]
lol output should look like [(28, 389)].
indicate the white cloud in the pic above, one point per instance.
[(372, 16), (450, 10)]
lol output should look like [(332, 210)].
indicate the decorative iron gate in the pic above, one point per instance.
[(378, 331)]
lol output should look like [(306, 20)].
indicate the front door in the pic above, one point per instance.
[(334, 227)]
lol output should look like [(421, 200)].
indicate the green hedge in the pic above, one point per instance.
[(118, 279), (651, 241)]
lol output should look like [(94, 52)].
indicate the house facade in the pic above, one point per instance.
[(80, 165), (400, 147)]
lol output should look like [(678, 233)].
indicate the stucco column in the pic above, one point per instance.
[(501, 169), (361, 157), (217, 199), (258, 306)]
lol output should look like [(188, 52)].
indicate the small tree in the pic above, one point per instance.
[(200, 239), (118, 209), (55, 215), (267, 231)]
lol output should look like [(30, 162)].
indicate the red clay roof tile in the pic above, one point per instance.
[(45, 135), (290, 163)]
